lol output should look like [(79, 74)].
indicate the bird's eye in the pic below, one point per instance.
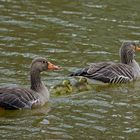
[(43, 62)]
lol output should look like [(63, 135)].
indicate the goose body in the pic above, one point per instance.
[(109, 72), (37, 95)]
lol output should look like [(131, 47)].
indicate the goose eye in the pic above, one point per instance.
[(43, 62)]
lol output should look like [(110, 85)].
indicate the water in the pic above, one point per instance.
[(71, 34)]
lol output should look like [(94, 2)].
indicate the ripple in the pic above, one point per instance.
[(72, 13), (94, 115), (17, 54), (9, 38), (95, 6), (5, 30), (129, 26), (58, 21), (23, 24)]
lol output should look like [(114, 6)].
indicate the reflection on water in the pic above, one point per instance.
[(72, 34)]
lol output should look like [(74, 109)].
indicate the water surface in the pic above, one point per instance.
[(71, 34)]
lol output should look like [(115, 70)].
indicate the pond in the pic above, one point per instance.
[(71, 34)]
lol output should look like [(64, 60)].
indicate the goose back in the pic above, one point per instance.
[(107, 72)]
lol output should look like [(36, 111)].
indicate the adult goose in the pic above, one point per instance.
[(109, 72), (37, 95)]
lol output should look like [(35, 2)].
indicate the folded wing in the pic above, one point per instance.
[(107, 72), (16, 98)]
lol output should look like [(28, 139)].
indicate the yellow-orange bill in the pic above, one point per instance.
[(53, 67), (137, 49)]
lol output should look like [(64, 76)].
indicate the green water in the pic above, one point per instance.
[(72, 34)]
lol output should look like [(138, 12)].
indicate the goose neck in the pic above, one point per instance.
[(36, 83)]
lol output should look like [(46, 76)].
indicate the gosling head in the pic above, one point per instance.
[(83, 80), (42, 64), (67, 85), (66, 82)]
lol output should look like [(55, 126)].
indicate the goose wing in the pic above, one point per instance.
[(107, 72), (16, 98)]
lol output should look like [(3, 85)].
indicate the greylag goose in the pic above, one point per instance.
[(109, 72), (37, 95)]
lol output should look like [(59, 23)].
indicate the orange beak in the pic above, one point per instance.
[(137, 49), (52, 66)]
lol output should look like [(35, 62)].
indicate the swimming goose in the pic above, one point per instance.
[(37, 95), (109, 72)]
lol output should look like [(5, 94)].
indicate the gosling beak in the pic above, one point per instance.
[(137, 49), (53, 67)]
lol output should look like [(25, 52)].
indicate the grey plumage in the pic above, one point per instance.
[(16, 98), (110, 72), (37, 95)]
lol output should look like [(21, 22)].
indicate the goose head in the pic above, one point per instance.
[(42, 64), (127, 52)]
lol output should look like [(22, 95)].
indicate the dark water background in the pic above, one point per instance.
[(72, 34)]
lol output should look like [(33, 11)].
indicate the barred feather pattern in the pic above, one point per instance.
[(108, 72), (16, 98)]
